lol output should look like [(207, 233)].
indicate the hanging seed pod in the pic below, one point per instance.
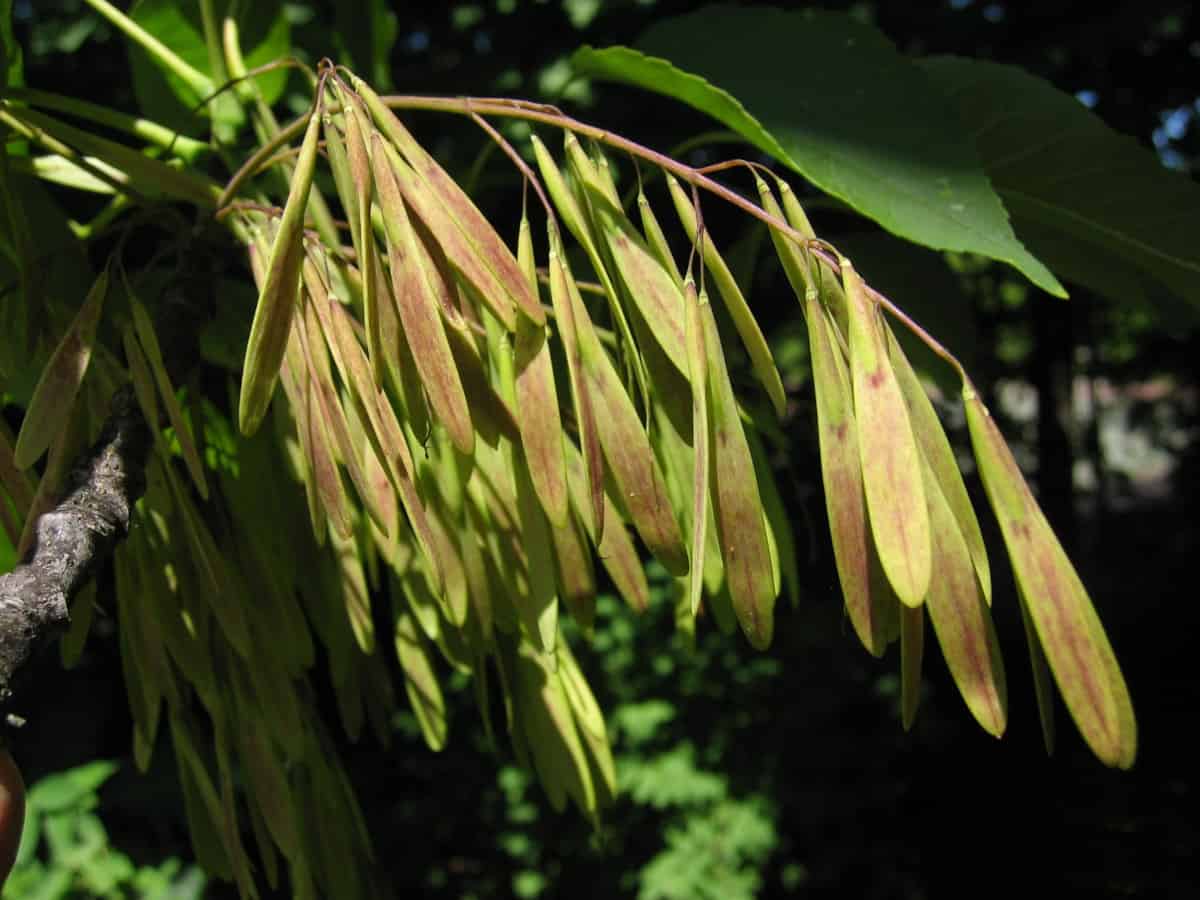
[(419, 311), (896, 506), (937, 452), (277, 299), (1064, 620), (54, 396), (961, 621), (469, 240), (630, 460), (549, 725), (735, 303), (589, 719), (420, 681), (656, 240), (146, 336), (1043, 681), (912, 648), (738, 507), (360, 172), (565, 310), (536, 400), (615, 549), (698, 373), (841, 475)]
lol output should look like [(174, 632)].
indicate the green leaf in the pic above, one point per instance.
[(73, 788), (832, 99), (10, 50), (262, 28), (1089, 201)]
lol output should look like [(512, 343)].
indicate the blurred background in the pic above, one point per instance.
[(787, 774)]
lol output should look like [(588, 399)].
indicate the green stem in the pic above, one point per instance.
[(193, 77), (536, 112), (212, 41), (186, 148)]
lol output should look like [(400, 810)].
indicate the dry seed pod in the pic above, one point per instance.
[(356, 597), (735, 303), (960, 617), (590, 721), (419, 311), (841, 475), (615, 549), (698, 372), (1043, 687), (1066, 625), (360, 173), (778, 524), (656, 239), (294, 378), (469, 240), (647, 283), (420, 682), (277, 299), (536, 400), (545, 713), (183, 432), (54, 396), (630, 459), (891, 461), (912, 648), (383, 431), (563, 299), (738, 506), (937, 452)]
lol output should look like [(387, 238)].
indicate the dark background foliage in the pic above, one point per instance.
[(791, 767)]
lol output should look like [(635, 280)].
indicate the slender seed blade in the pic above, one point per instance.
[(54, 395), (148, 340), (937, 452), (420, 681), (960, 617), (281, 287), (359, 161), (1063, 617), (912, 648), (561, 297), (536, 397), (698, 373), (419, 311), (841, 475), (737, 503), (480, 248), (891, 465), (752, 337)]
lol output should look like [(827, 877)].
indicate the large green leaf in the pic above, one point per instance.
[(10, 50), (262, 28), (1093, 203), (834, 100)]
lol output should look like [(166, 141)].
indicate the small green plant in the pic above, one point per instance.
[(66, 854)]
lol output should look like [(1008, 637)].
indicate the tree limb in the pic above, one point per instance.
[(74, 537)]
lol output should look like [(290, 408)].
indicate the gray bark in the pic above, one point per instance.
[(73, 538)]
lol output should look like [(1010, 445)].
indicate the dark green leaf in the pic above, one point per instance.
[(834, 100), (1088, 200)]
